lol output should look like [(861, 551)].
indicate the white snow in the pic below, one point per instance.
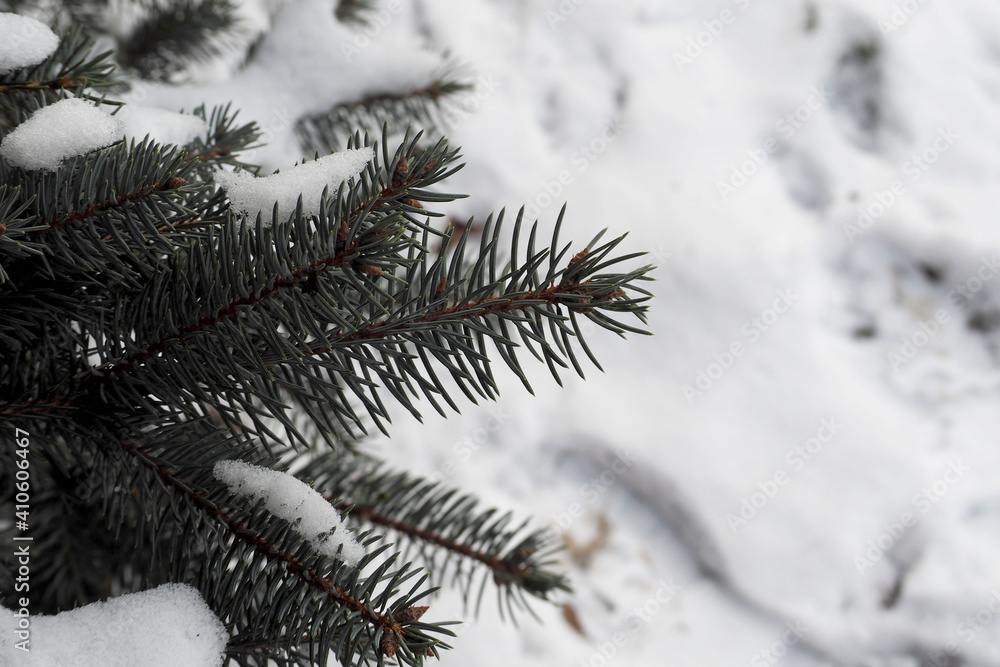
[(294, 501), (24, 42), (306, 63), (164, 127), (258, 194), (167, 626), (55, 132)]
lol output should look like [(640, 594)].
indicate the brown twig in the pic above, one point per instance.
[(116, 369), (497, 565), (556, 294), (53, 84), (303, 572), (110, 203)]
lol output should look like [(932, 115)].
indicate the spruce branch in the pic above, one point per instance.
[(330, 257), (177, 34), (371, 606), (15, 229), (447, 309), (333, 310), (72, 70), (223, 142), (353, 11), (39, 206), (151, 484), (104, 211), (423, 106), (62, 83), (452, 535), (112, 201), (149, 331)]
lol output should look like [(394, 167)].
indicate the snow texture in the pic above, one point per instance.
[(164, 127), (58, 131), (24, 42), (167, 626), (258, 194), (296, 502)]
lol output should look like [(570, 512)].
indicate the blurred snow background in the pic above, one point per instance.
[(801, 466)]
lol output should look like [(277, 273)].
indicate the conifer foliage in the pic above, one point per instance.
[(149, 330)]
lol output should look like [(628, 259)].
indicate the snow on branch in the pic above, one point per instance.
[(296, 502), (258, 195), (64, 129), (162, 126), (167, 626), (24, 42)]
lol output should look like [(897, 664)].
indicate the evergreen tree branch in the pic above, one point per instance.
[(149, 332), (372, 614), (345, 254), (59, 405), (115, 200), (447, 529), (62, 83), (448, 315), (353, 11), (223, 142), (71, 67), (106, 213), (71, 70), (176, 34), (151, 484), (326, 132), (369, 228), (15, 229), (438, 312)]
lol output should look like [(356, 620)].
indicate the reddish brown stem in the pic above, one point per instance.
[(118, 201), (303, 572), (118, 368), (54, 84), (483, 308), (46, 407), (372, 516)]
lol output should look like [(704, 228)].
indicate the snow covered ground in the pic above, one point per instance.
[(801, 466), (812, 429)]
